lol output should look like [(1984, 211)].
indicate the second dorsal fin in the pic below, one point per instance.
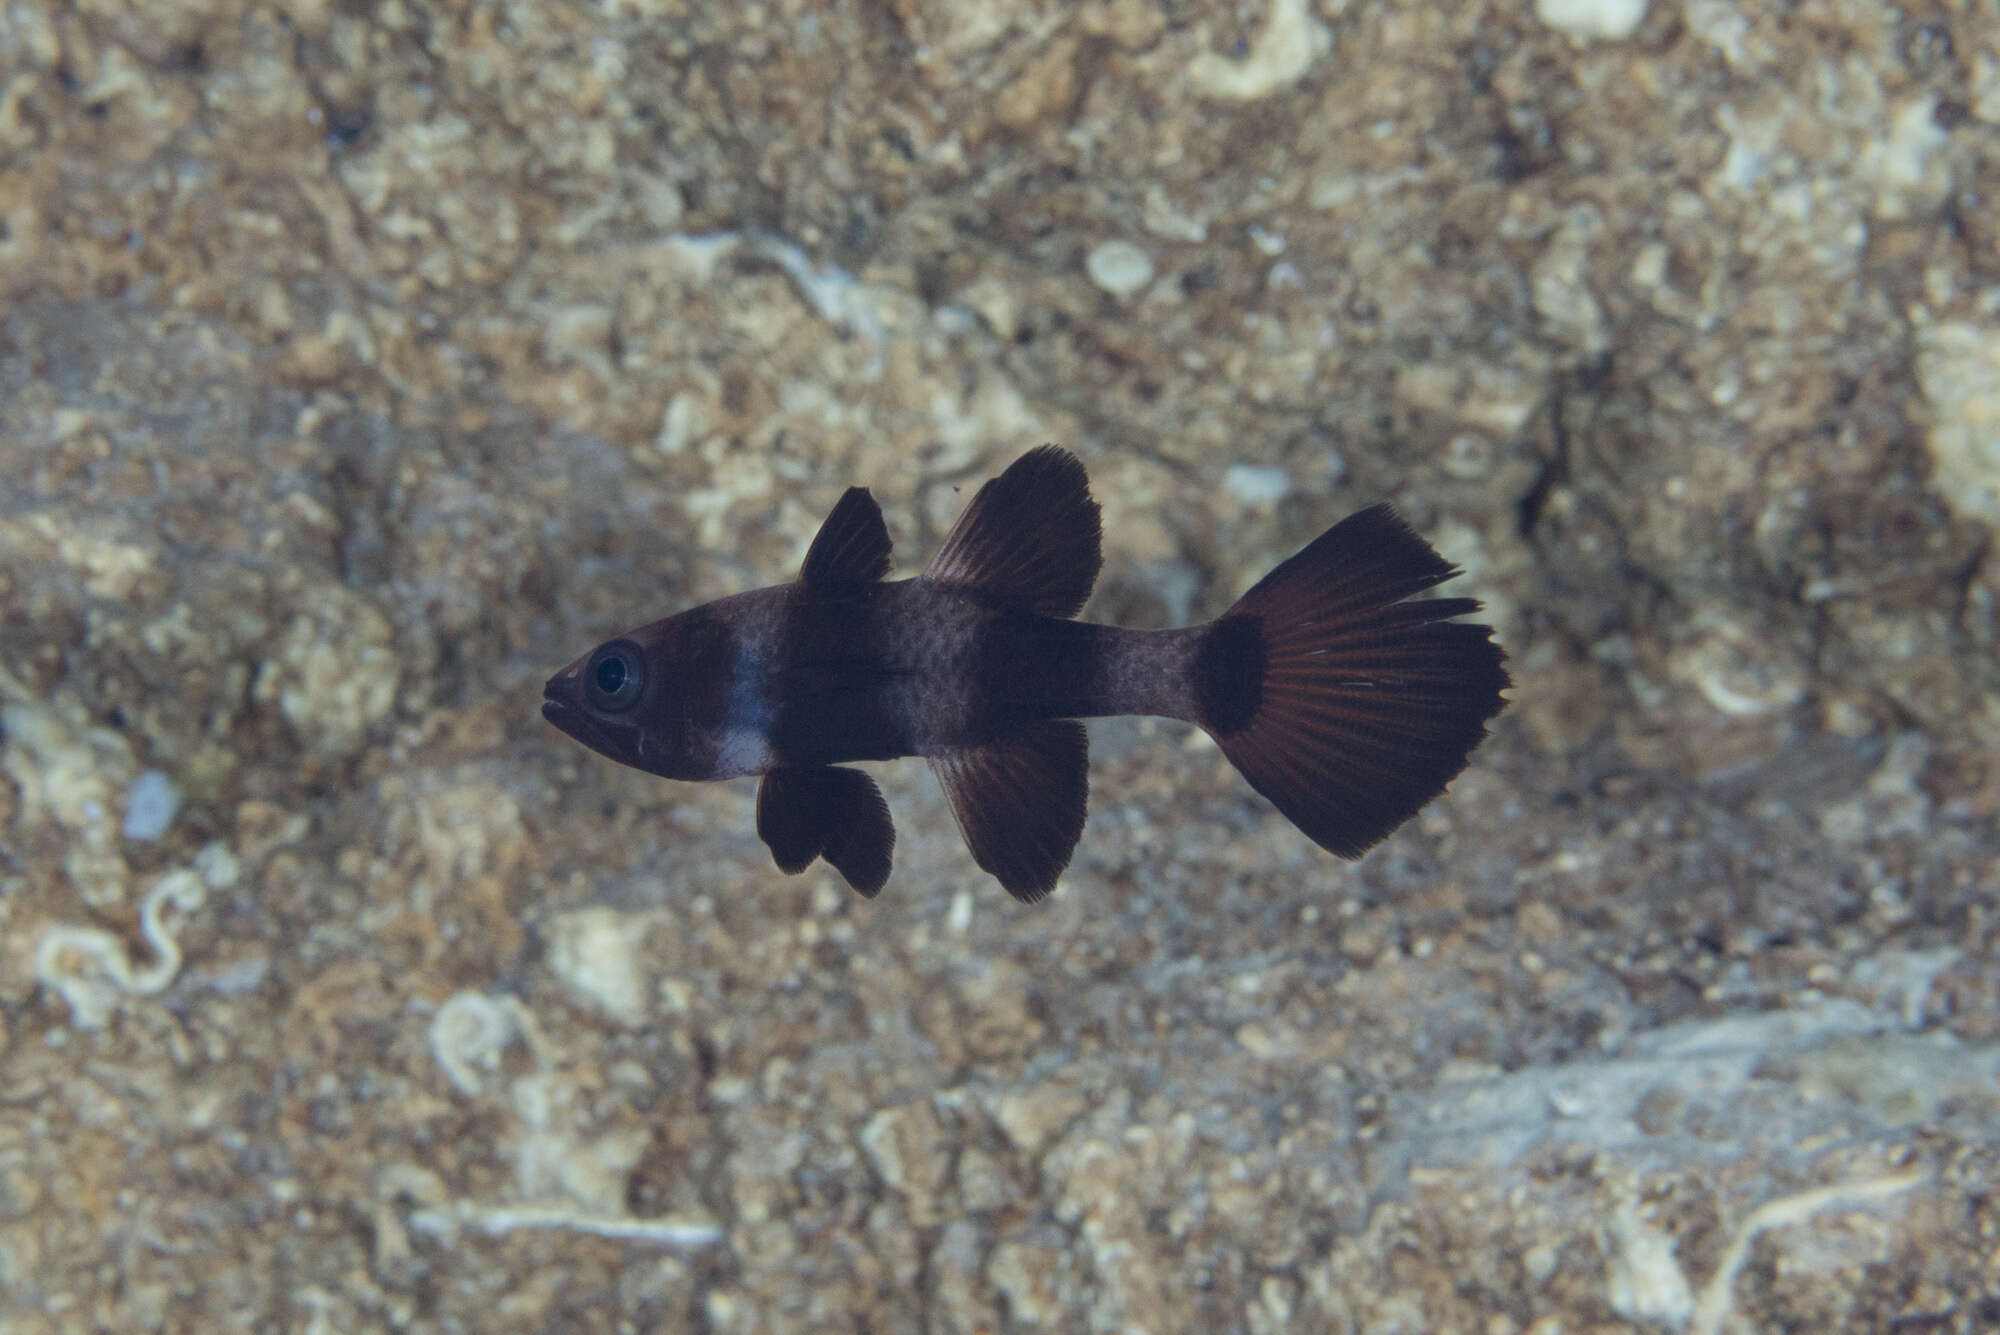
[(852, 546), (1029, 540)]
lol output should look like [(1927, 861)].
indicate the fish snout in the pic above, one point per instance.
[(559, 698)]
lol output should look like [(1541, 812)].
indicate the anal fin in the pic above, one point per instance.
[(829, 812), (1020, 802)]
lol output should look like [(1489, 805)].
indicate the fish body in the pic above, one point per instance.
[(793, 675), (1346, 705)]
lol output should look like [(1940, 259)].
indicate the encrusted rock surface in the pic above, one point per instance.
[(360, 364)]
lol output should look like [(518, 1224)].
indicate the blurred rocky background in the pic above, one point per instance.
[(361, 361)]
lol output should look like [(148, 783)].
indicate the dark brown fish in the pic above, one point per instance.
[(1345, 704)]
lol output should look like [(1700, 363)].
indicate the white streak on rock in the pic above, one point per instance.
[(1119, 267), (1958, 369), (594, 952), (150, 804), (1257, 484), (495, 1220), (1719, 1295), (470, 1033), (1284, 49), (1592, 20), (1643, 1281), (64, 954)]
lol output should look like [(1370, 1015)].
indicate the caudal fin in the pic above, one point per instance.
[(1345, 705)]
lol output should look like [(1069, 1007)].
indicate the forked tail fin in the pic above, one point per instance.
[(1345, 705)]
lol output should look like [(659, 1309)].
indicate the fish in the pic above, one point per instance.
[(1344, 700)]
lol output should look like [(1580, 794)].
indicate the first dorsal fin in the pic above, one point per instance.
[(852, 546), (1030, 539)]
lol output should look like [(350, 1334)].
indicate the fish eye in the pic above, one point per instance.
[(614, 676)]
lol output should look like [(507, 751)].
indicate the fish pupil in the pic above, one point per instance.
[(611, 675)]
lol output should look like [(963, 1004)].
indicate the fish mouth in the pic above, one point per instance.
[(561, 712), (557, 709)]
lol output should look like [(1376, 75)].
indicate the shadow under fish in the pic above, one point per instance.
[(1342, 701)]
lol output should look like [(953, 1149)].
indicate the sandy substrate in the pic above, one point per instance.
[(360, 364)]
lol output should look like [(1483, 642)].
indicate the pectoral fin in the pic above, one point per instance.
[(827, 812), (1020, 802)]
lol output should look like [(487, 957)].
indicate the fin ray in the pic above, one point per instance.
[(1030, 539), (1345, 705), (1020, 802), (852, 545)]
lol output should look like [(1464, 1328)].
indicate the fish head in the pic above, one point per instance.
[(648, 698)]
